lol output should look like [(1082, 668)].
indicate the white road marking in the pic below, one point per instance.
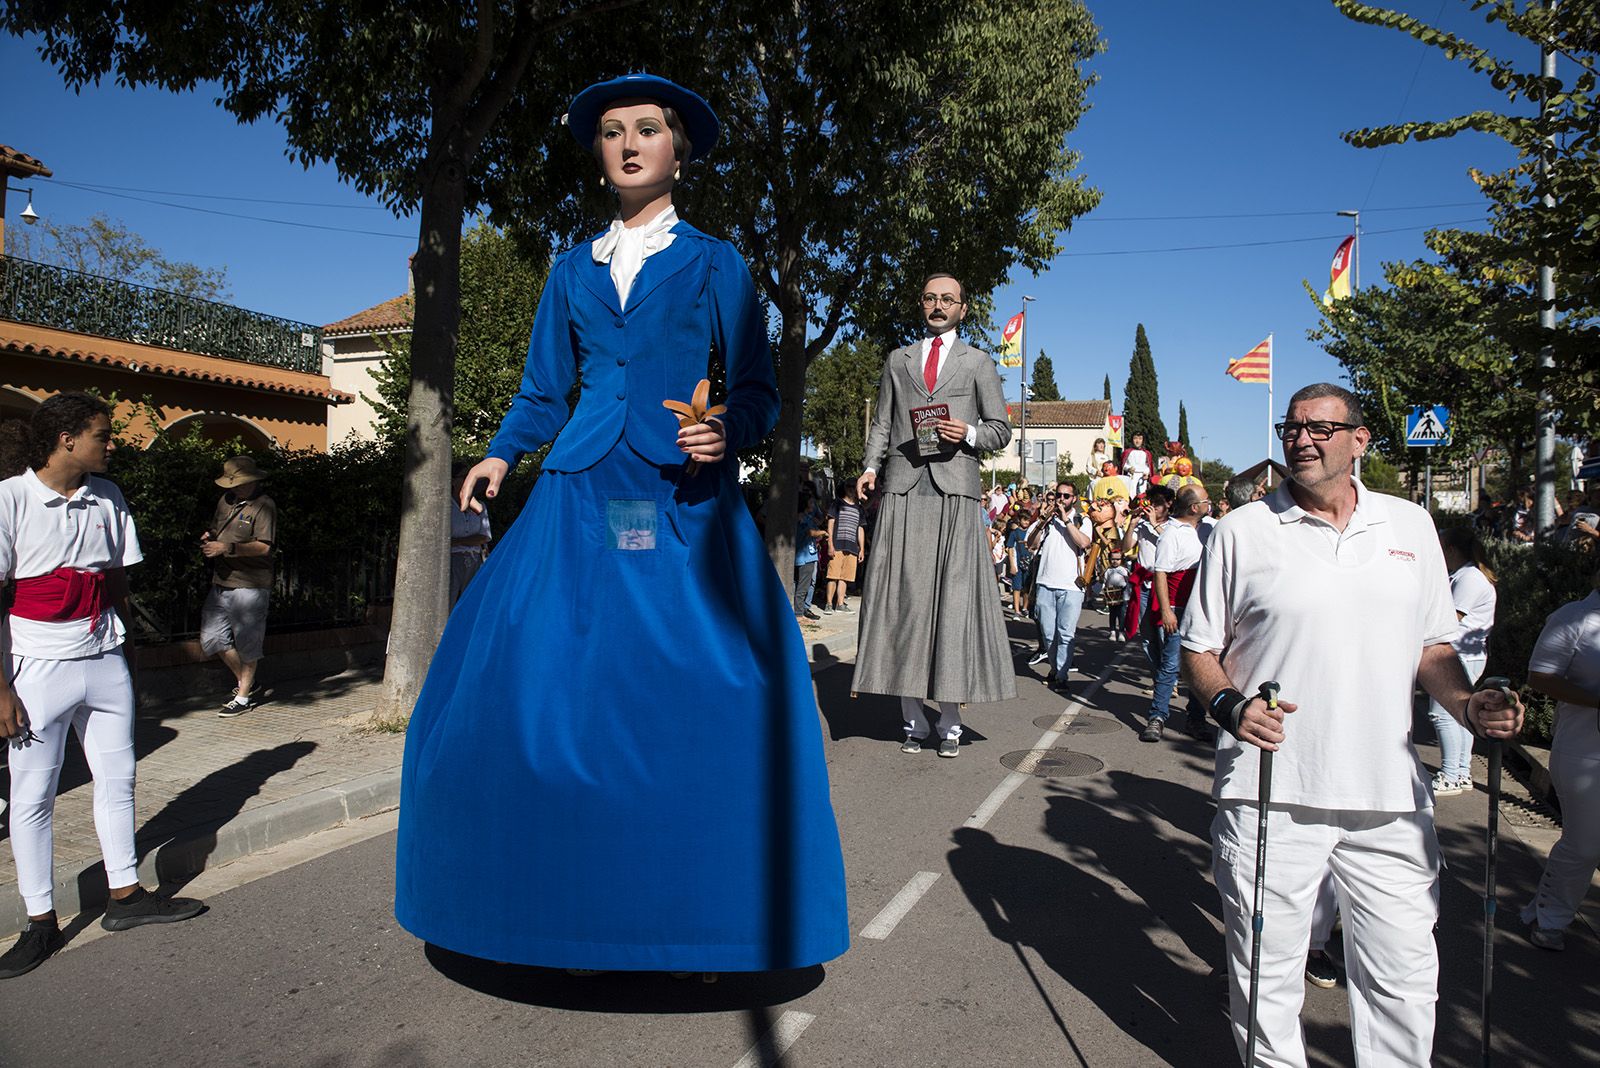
[(770, 1047), (1009, 784), (884, 923)]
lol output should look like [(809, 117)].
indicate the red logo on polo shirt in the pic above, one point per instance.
[(1401, 554)]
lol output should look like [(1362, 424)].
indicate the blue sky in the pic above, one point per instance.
[(1202, 109)]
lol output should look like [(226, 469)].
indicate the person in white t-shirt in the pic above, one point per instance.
[(65, 538), (1150, 516), (1340, 595), (1566, 665), (1177, 564), (1472, 594), (1058, 541)]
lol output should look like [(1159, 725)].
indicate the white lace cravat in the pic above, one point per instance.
[(626, 248)]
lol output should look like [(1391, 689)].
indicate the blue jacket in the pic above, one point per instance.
[(693, 296)]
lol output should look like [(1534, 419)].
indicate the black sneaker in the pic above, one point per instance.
[(912, 744), (1320, 969), (1152, 730), (1199, 730), (234, 708), (39, 940), (142, 907)]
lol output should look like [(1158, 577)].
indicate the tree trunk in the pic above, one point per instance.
[(785, 473), (422, 568)]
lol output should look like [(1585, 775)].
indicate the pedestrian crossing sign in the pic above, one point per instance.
[(1427, 425)]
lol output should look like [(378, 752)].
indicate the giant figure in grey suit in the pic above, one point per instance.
[(931, 627)]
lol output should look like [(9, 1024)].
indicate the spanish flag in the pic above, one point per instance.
[(1339, 273), (1255, 365), (1011, 342)]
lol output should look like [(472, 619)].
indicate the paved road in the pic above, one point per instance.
[(1041, 921)]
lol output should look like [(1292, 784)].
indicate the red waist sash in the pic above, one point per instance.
[(64, 594)]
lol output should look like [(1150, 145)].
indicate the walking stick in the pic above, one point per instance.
[(1269, 694), (1492, 836)]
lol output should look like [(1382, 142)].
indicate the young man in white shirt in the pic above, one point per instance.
[(65, 538), (1059, 539), (1339, 595), (1177, 563)]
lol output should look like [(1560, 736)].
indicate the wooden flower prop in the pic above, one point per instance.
[(695, 412)]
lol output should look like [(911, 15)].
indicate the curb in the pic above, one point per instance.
[(1537, 760), (203, 846)]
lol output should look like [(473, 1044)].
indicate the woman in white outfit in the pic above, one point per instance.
[(1566, 665), (1472, 593)]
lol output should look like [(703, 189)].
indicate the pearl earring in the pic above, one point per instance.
[(677, 172), (602, 181)]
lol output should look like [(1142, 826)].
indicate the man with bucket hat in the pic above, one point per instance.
[(239, 546)]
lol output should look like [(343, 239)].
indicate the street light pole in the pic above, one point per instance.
[(1544, 451), (1022, 402)]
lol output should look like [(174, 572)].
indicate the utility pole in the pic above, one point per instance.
[(1355, 274), (1544, 454), (1022, 405)]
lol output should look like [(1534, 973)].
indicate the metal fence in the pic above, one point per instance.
[(309, 591), (59, 297)]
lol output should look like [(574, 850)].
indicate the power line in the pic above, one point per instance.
[(258, 218), (1264, 214), (1400, 112), (93, 188), (1258, 244)]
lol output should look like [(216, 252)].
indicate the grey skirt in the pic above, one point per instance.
[(930, 617)]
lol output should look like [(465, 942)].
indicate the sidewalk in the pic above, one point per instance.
[(212, 790)]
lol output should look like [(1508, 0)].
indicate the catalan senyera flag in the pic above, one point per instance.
[(1339, 273), (1011, 342), (1255, 365)]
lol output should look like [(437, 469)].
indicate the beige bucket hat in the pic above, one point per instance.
[(238, 471)]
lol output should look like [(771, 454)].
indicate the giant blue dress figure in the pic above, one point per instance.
[(615, 761)]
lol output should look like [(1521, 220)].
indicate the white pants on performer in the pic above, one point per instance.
[(915, 714), (93, 695), (1325, 912), (1385, 868)]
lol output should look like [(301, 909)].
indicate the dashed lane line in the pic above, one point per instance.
[(770, 1047), (884, 923), (1009, 784)]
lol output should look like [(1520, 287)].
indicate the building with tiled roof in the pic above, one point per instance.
[(1068, 427), (352, 349)]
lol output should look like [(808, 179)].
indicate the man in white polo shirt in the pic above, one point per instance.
[(1340, 595), (65, 538)]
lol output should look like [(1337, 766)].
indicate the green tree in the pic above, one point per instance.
[(1044, 380), (841, 385), (432, 107), (1108, 387), (107, 247), (500, 285), (1183, 430), (1141, 397)]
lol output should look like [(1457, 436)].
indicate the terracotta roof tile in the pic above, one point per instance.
[(392, 314), (266, 380), (20, 164), (1069, 413)]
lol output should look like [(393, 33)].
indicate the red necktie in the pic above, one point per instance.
[(930, 370)]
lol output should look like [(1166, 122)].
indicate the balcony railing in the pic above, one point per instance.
[(65, 299)]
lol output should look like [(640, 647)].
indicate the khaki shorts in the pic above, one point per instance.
[(842, 566)]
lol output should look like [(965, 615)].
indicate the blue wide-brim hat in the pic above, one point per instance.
[(699, 121)]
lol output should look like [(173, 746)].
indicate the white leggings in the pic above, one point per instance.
[(915, 714), (93, 694)]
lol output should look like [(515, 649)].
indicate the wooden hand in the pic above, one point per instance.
[(952, 430)]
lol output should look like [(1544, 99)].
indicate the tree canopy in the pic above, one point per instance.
[(842, 382), (107, 247)]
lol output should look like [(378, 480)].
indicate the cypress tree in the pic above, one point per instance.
[(1183, 431), (1141, 399), (1108, 387), (1044, 379)]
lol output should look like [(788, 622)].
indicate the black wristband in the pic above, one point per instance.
[(1226, 707)]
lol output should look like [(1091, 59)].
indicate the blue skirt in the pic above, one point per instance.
[(616, 761)]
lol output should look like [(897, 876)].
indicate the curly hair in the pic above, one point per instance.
[(64, 413)]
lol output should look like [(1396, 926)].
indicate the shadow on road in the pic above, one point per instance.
[(625, 992)]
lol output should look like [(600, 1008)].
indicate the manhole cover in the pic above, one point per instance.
[(1052, 763), (1080, 724)]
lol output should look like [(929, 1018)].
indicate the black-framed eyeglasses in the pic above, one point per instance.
[(944, 300), (1319, 430)]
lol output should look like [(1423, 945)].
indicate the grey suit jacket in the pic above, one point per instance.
[(970, 385)]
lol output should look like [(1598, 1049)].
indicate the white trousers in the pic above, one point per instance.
[(1385, 868), (1570, 868), (93, 695), (915, 714)]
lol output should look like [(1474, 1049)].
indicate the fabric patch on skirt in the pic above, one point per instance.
[(631, 524)]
